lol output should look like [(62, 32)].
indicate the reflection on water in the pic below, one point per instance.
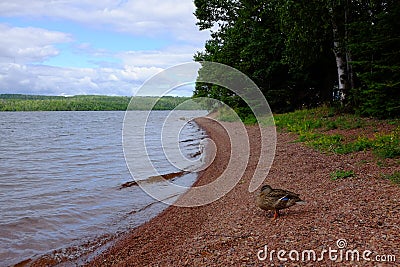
[(61, 175)]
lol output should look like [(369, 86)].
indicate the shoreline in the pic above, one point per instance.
[(100, 243), (155, 234), (362, 210)]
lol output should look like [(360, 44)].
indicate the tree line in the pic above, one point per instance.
[(18, 102), (307, 53)]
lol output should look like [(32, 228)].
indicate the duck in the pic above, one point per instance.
[(277, 199)]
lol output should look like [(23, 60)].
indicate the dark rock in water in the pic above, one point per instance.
[(153, 179), (128, 184)]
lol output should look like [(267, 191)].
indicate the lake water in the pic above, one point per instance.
[(61, 175)]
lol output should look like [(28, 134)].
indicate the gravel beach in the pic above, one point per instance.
[(355, 220), (347, 222)]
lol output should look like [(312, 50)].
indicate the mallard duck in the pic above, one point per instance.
[(276, 199)]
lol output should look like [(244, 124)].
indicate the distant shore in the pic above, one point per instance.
[(17, 102), (362, 210)]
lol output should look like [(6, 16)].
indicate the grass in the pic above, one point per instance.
[(324, 118), (394, 177), (319, 127), (341, 174), (227, 114), (387, 145), (314, 128)]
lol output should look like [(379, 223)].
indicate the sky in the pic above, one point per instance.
[(107, 47)]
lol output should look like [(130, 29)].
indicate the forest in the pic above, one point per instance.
[(304, 54), (18, 102)]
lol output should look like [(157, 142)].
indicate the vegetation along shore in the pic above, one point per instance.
[(18, 102)]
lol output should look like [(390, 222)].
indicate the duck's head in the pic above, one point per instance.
[(266, 188)]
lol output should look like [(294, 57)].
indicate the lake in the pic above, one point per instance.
[(61, 175)]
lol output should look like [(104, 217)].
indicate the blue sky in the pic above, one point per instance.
[(69, 47)]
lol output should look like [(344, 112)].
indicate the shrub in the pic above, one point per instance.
[(341, 174)]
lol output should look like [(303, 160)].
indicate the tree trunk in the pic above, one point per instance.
[(341, 65), (344, 70)]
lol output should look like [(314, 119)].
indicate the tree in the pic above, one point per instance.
[(254, 38), (306, 53), (374, 42), (248, 38)]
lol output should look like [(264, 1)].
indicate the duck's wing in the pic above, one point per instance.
[(280, 193), (282, 199)]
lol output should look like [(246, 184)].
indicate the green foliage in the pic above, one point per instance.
[(341, 174), (383, 145), (344, 122), (308, 137), (60, 103), (10, 102), (250, 40), (250, 119), (361, 144), (227, 114), (325, 142), (300, 121), (163, 103), (312, 126), (374, 41), (230, 115), (286, 48), (394, 177), (387, 145), (267, 121), (306, 120)]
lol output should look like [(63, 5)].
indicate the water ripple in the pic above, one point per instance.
[(60, 175)]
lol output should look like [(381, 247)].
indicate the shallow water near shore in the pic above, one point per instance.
[(61, 175)]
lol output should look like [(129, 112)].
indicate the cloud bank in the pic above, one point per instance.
[(25, 51)]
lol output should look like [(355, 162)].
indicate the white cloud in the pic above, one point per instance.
[(162, 59), (119, 73), (139, 17), (29, 44), (39, 79), (124, 80)]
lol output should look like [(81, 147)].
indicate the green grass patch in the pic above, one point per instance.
[(299, 122), (313, 128), (227, 114), (343, 123), (341, 174), (326, 143), (322, 118), (394, 177), (387, 145), (267, 121), (308, 137)]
